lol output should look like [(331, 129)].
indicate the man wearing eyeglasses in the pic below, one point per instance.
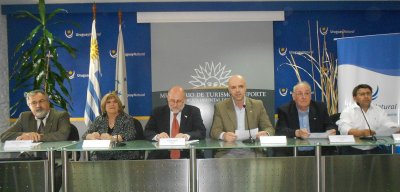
[(175, 120), (41, 123), (303, 116)]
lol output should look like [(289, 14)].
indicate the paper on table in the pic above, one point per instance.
[(318, 135), (192, 141), (244, 134), (387, 132)]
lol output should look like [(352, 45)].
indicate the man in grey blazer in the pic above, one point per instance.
[(230, 114), (55, 127)]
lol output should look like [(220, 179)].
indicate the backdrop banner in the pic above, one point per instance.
[(373, 60)]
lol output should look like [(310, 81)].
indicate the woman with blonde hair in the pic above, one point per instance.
[(115, 125)]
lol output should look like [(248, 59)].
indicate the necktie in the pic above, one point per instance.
[(175, 154), (41, 126)]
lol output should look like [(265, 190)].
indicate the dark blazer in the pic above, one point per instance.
[(288, 119), (57, 126), (191, 124)]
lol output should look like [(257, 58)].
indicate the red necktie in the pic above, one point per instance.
[(175, 154)]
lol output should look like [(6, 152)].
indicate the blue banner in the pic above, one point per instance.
[(372, 60), (76, 32), (305, 49)]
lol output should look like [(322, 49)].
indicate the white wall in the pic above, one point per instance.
[(4, 91)]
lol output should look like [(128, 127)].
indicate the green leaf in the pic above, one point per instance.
[(42, 11), (49, 37), (54, 13), (24, 14), (33, 68), (71, 50)]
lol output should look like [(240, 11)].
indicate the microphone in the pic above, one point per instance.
[(119, 144), (371, 137), (250, 139)]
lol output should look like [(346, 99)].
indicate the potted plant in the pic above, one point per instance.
[(37, 64)]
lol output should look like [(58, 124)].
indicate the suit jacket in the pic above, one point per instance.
[(191, 124), (225, 117), (57, 126), (288, 120)]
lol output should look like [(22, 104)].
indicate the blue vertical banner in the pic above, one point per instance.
[(373, 60)]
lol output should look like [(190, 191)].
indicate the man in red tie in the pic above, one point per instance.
[(175, 120)]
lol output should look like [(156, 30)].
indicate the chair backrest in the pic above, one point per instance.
[(139, 130), (335, 117), (74, 134)]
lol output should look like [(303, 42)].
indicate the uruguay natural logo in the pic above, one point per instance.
[(323, 30), (282, 51), (71, 74), (283, 91), (113, 53), (69, 33)]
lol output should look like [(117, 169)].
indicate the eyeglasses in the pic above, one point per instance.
[(305, 94), (40, 102), (178, 101)]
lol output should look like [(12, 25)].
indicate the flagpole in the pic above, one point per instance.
[(94, 11), (120, 68), (120, 17), (93, 96)]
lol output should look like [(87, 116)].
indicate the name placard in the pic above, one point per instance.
[(19, 144), (396, 137), (273, 140), (97, 144), (171, 142), (341, 139)]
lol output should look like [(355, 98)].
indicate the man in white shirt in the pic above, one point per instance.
[(352, 121)]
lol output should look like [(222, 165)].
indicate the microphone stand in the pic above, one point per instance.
[(119, 144), (250, 139), (371, 137)]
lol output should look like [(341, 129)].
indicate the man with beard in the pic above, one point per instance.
[(42, 123), (175, 120)]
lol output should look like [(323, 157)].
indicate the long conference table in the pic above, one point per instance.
[(295, 173)]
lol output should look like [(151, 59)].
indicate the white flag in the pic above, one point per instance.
[(120, 72), (92, 109)]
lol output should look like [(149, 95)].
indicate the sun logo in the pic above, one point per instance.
[(71, 74), (323, 30), (113, 53), (210, 75), (94, 49), (69, 33), (282, 51), (283, 91)]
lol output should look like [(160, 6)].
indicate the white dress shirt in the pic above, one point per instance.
[(352, 118)]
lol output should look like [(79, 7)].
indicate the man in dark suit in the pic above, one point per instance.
[(188, 118), (301, 117), (41, 123)]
